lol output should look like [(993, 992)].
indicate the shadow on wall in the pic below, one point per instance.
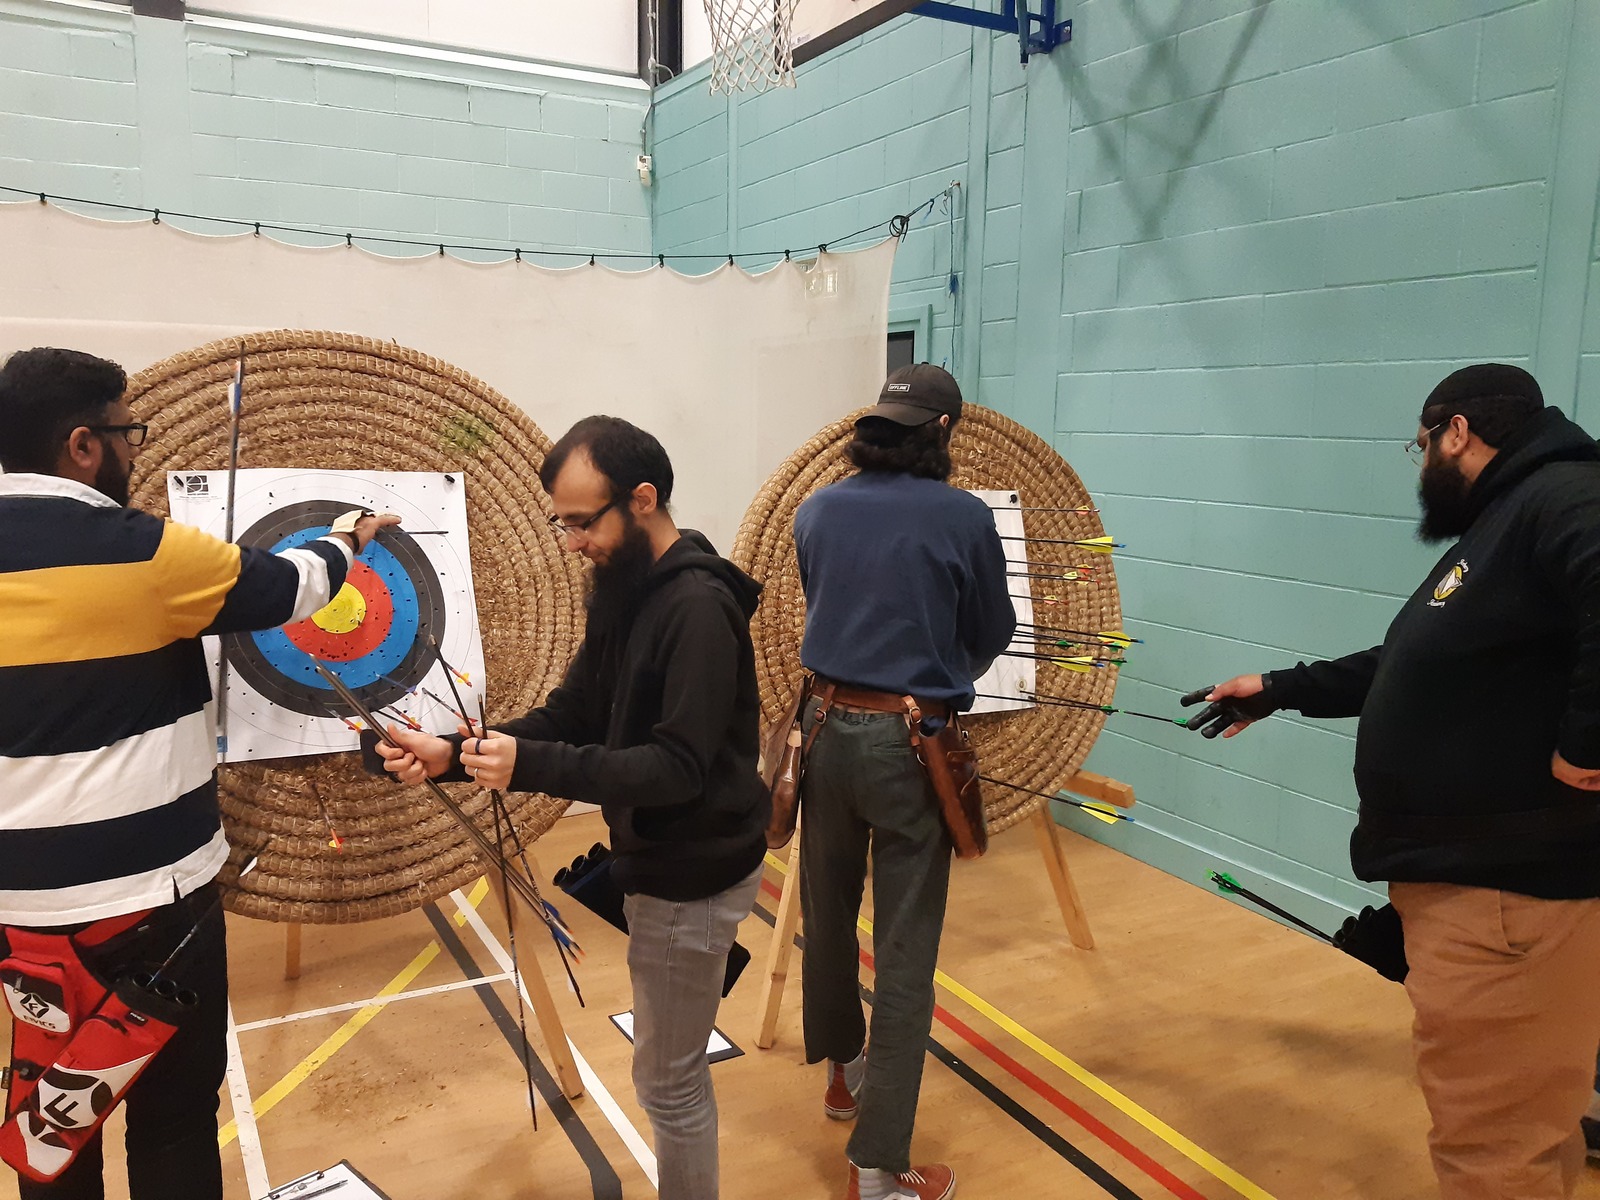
[(1162, 74)]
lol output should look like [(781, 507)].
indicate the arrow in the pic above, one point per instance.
[(1228, 884), (442, 703), (1040, 641), (395, 714), (348, 723), (1089, 705), (450, 677), (335, 842), (235, 410), (1099, 545), (1046, 599), (1037, 508), (524, 884), (1114, 636), (1082, 663), (1071, 575), (1103, 811)]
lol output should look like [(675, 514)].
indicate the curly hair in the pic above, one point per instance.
[(884, 445)]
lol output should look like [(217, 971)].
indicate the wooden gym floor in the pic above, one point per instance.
[(1200, 1051)]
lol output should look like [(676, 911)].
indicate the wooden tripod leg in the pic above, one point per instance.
[(291, 951), (1055, 864), (530, 952), (780, 952)]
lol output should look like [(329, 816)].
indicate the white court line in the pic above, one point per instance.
[(355, 1004), (604, 1100), (244, 1116)]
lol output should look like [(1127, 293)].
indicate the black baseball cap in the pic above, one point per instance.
[(918, 394)]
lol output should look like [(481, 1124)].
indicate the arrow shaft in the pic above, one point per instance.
[(1112, 635), (1066, 645), (1039, 508), (490, 853), (1263, 902), (1059, 660), (1011, 537), (1017, 787), (1085, 705), (1071, 575)]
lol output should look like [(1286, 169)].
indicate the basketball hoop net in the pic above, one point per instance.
[(752, 47)]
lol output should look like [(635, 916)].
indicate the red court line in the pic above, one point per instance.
[(1076, 1112)]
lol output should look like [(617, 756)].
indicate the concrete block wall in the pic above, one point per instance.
[(195, 118), (1218, 253)]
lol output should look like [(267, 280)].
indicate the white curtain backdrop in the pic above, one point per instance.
[(730, 370)]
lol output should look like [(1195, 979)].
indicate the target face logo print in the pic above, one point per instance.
[(412, 582)]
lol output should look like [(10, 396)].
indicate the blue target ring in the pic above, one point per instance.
[(293, 663), (285, 675)]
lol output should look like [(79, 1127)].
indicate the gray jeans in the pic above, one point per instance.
[(864, 788), (677, 957)]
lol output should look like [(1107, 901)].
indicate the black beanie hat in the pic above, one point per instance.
[(1484, 385)]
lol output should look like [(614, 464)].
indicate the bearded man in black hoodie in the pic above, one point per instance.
[(1478, 768), (656, 722)]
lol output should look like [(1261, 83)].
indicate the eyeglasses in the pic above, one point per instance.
[(577, 528), (133, 434), (1416, 448)]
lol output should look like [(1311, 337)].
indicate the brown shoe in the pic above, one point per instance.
[(933, 1182), (839, 1102)]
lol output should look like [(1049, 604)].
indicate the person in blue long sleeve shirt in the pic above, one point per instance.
[(905, 586)]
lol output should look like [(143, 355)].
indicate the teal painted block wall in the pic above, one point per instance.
[(191, 118), (1218, 253)]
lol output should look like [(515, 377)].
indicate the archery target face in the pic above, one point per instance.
[(411, 582), (1010, 676)]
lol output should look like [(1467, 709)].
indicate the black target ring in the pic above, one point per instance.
[(287, 678)]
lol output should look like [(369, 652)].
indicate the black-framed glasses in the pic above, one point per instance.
[(580, 528), (1416, 448), (133, 434)]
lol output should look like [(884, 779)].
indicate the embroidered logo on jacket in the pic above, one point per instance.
[(1447, 587)]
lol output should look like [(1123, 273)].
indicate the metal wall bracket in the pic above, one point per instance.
[(1038, 32)]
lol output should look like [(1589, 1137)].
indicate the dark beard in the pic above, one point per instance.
[(1445, 495), (111, 480), (616, 588)]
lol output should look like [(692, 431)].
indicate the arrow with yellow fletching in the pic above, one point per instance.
[(1095, 545)]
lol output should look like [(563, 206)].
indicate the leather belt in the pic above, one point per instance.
[(866, 700)]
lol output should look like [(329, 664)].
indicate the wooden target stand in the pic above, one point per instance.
[(1046, 833)]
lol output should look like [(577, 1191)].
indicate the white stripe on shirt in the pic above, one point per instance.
[(134, 775), (113, 897), (315, 590)]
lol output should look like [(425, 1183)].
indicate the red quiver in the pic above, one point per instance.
[(77, 1044)]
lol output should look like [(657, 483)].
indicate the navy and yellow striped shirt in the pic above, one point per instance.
[(108, 792)]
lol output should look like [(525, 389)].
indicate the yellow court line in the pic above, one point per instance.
[(1202, 1158), (309, 1065)]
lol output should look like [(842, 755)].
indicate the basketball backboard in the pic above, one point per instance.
[(820, 25)]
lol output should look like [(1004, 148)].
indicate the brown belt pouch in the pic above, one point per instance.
[(952, 766), (783, 761)]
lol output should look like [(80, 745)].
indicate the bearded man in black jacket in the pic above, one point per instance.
[(656, 722), (1477, 765)]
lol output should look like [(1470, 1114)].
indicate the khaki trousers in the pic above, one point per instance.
[(1506, 990)]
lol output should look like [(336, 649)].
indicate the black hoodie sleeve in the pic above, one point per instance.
[(1333, 688), (699, 661), (1566, 547), (565, 714)]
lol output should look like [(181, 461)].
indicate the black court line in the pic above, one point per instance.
[(607, 1184), (1090, 1169)]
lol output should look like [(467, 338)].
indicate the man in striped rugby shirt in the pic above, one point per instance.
[(109, 826)]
